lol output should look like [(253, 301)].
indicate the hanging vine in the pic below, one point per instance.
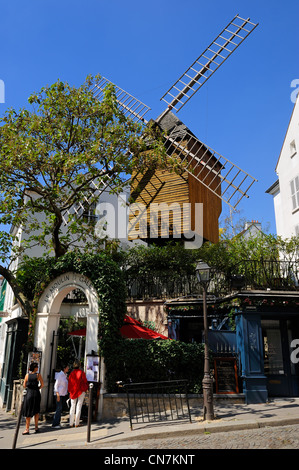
[(107, 278)]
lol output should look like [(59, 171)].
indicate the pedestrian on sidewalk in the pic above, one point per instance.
[(77, 387), (60, 394), (33, 382)]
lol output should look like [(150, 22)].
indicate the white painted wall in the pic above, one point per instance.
[(287, 168)]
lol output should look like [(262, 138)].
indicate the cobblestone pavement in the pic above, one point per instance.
[(280, 437)]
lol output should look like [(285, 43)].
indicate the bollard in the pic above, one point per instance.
[(89, 412), (19, 421)]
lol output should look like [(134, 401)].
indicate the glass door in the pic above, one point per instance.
[(293, 333), (282, 374), (274, 363)]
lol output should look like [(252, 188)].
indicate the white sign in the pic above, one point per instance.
[(92, 368)]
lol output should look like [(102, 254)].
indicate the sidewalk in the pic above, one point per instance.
[(228, 417)]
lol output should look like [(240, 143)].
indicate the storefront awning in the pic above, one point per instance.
[(132, 329), (81, 332)]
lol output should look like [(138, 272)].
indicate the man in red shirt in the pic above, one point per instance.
[(77, 387)]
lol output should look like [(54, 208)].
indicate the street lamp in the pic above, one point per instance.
[(203, 275)]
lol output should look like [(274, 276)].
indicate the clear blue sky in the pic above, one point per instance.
[(242, 111)]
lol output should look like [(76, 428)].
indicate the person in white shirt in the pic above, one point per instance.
[(60, 393)]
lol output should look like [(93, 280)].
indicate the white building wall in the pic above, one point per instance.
[(286, 200)]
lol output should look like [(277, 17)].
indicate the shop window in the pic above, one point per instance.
[(273, 359), (293, 333)]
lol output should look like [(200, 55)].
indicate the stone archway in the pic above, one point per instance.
[(48, 318)]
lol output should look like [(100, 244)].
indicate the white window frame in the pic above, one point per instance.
[(294, 184), (293, 149)]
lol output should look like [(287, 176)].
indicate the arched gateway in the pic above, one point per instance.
[(48, 317)]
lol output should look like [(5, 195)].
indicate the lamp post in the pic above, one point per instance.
[(203, 276)]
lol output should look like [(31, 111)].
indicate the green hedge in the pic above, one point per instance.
[(153, 361)]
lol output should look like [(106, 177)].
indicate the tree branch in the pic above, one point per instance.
[(19, 295)]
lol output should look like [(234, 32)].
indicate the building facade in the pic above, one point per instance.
[(285, 190)]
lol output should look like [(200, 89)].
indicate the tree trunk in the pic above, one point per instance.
[(19, 294)]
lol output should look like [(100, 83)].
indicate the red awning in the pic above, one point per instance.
[(81, 332), (134, 329), (131, 329)]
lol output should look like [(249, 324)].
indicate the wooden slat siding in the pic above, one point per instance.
[(160, 186), (212, 204)]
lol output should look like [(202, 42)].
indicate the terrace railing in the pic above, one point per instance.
[(157, 401), (270, 274), (250, 274)]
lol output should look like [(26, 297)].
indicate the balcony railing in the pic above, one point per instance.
[(165, 286), (248, 275), (269, 274)]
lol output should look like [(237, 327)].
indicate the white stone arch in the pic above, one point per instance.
[(48, 318)]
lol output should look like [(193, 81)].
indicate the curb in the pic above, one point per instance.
[(278, 422), (208, 428)]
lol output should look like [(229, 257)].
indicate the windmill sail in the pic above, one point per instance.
[(225, 179), (128, 104), (208, 62)]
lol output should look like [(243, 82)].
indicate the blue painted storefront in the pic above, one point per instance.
[(262, 345), (251, 355), (264, 342)]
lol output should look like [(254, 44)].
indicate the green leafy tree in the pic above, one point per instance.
[(50, 158)]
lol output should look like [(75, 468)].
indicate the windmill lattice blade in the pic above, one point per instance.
[(96, 188), (128, 104), (225, 179), (208, 62)]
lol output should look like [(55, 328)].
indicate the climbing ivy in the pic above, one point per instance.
[(107, 278)]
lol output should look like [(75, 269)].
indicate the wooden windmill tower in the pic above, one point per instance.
[(208, 177)]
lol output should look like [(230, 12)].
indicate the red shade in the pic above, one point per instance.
[(134, 329), (81, 332), (131, 329)]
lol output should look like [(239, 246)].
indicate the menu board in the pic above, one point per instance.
[(34, 356), (92, 368), (226, 375)]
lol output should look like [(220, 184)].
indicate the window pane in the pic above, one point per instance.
[(273, 361), (294, 202), (290, 338)]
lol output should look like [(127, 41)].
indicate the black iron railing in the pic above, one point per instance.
[(269, 274), (250, 274), (157, 401), (172, 285), (162, 286)]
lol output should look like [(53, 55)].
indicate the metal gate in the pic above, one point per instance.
[(157, 401)]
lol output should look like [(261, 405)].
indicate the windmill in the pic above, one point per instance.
[(208, 176)]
